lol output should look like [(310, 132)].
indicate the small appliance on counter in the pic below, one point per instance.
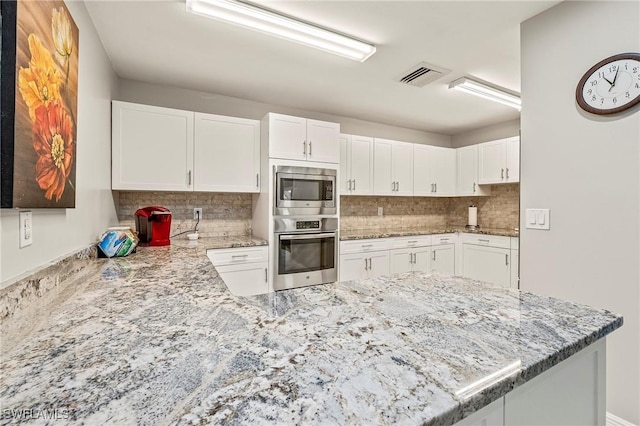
[(153, 225), (472, 223)]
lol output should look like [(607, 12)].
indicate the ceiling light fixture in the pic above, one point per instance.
[(266, 21), (480, 89)]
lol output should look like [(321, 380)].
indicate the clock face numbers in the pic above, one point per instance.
[(612, 85)]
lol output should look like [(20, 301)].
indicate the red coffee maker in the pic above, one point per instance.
[(153, 225)]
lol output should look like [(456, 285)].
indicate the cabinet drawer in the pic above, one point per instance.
[(487, 240), (360, 246), (234, 256), (438, 239), (407, 242)]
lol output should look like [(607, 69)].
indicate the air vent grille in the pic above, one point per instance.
[(422, 74)]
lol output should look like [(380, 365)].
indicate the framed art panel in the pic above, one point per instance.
[(39, 99)]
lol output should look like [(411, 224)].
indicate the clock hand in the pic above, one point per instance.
[(605, 79), (614, 79)]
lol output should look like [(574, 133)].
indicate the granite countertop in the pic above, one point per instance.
[(361, 234), (156, 338), (227, 242)]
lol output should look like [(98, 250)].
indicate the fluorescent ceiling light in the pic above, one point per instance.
[(479, 89), (258, 19)]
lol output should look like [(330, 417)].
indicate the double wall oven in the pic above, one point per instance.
[(306, 240)]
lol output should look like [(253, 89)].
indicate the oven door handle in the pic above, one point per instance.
[(307, 236)]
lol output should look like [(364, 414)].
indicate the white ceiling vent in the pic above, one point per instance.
[(422, 74)]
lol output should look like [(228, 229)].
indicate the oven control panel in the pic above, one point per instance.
[(308, 224)]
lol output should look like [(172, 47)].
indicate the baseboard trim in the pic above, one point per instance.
[(617, 421)]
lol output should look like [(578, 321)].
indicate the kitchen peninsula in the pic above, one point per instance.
[(156, 338)]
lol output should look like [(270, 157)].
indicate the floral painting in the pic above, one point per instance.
[(40, 137)]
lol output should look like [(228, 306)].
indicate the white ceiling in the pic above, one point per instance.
[(159, 42)]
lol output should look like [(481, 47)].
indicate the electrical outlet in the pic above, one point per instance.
[(380, 210), (26, 229), (197, 213)]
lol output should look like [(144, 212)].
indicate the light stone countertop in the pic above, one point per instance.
[(361, 234), (156, 338)]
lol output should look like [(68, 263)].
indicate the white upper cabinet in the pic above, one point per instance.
[(434, 171), (467, 166), (356, 165), (499, 161), (227, 154), (296, 138), (393, 167), (163, 149), (152, 148)]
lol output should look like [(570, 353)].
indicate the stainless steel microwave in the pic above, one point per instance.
[(304, 191)]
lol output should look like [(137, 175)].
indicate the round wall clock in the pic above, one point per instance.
[(611, 86)]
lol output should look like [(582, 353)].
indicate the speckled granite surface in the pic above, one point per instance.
[(232, 242), (361, 234), (155, 338)]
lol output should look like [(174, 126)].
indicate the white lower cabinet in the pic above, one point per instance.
[(487, 258), (243, 270), (364, 265), (443, 258), (409, 259), (569, 393)]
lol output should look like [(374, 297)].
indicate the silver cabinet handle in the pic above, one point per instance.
[(412, 242), (354, 184), (257, 180), (410, 258), (370, 267), (265, 275), (398, 186), (349, 185), (436, 186), (304, 148), (506, 259), (507, 173), (502, 174), (189, 177), (474, 187), (393, 186), (234, 256), (310, 148), (415, 258), (434, 256), (365, 264), (484, 241), (431, 187), (366, 245)]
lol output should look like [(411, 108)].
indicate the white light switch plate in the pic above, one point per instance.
[(537, 218), (26, 229)]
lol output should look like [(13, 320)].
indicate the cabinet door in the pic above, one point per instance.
[(353, 266), (226, 154), (488, 264), (323, 141), (422, 182), (402, 167), (400, 260), (152, 148), (245, 280), (379, 264), (361, 164), (513, 160), (288, 136), (467, 170), (443, 171), (443, 258), (491, 415), (345, 165), (382, 177), (491, 162), (421, 259)]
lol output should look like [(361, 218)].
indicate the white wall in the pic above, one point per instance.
[(58, 232), (173, 97), (586, 170), (503, 130)]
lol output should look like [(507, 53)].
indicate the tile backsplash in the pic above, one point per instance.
[(499, 210), (224, 214)]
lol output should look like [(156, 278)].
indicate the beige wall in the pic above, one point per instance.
[(485, 134), (58, 232), (585, 169), (173, 97)]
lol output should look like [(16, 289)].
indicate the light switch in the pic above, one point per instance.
[(537, 218), (26, 229)]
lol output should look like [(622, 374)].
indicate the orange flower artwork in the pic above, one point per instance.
[(53, 142), (40, 45)]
